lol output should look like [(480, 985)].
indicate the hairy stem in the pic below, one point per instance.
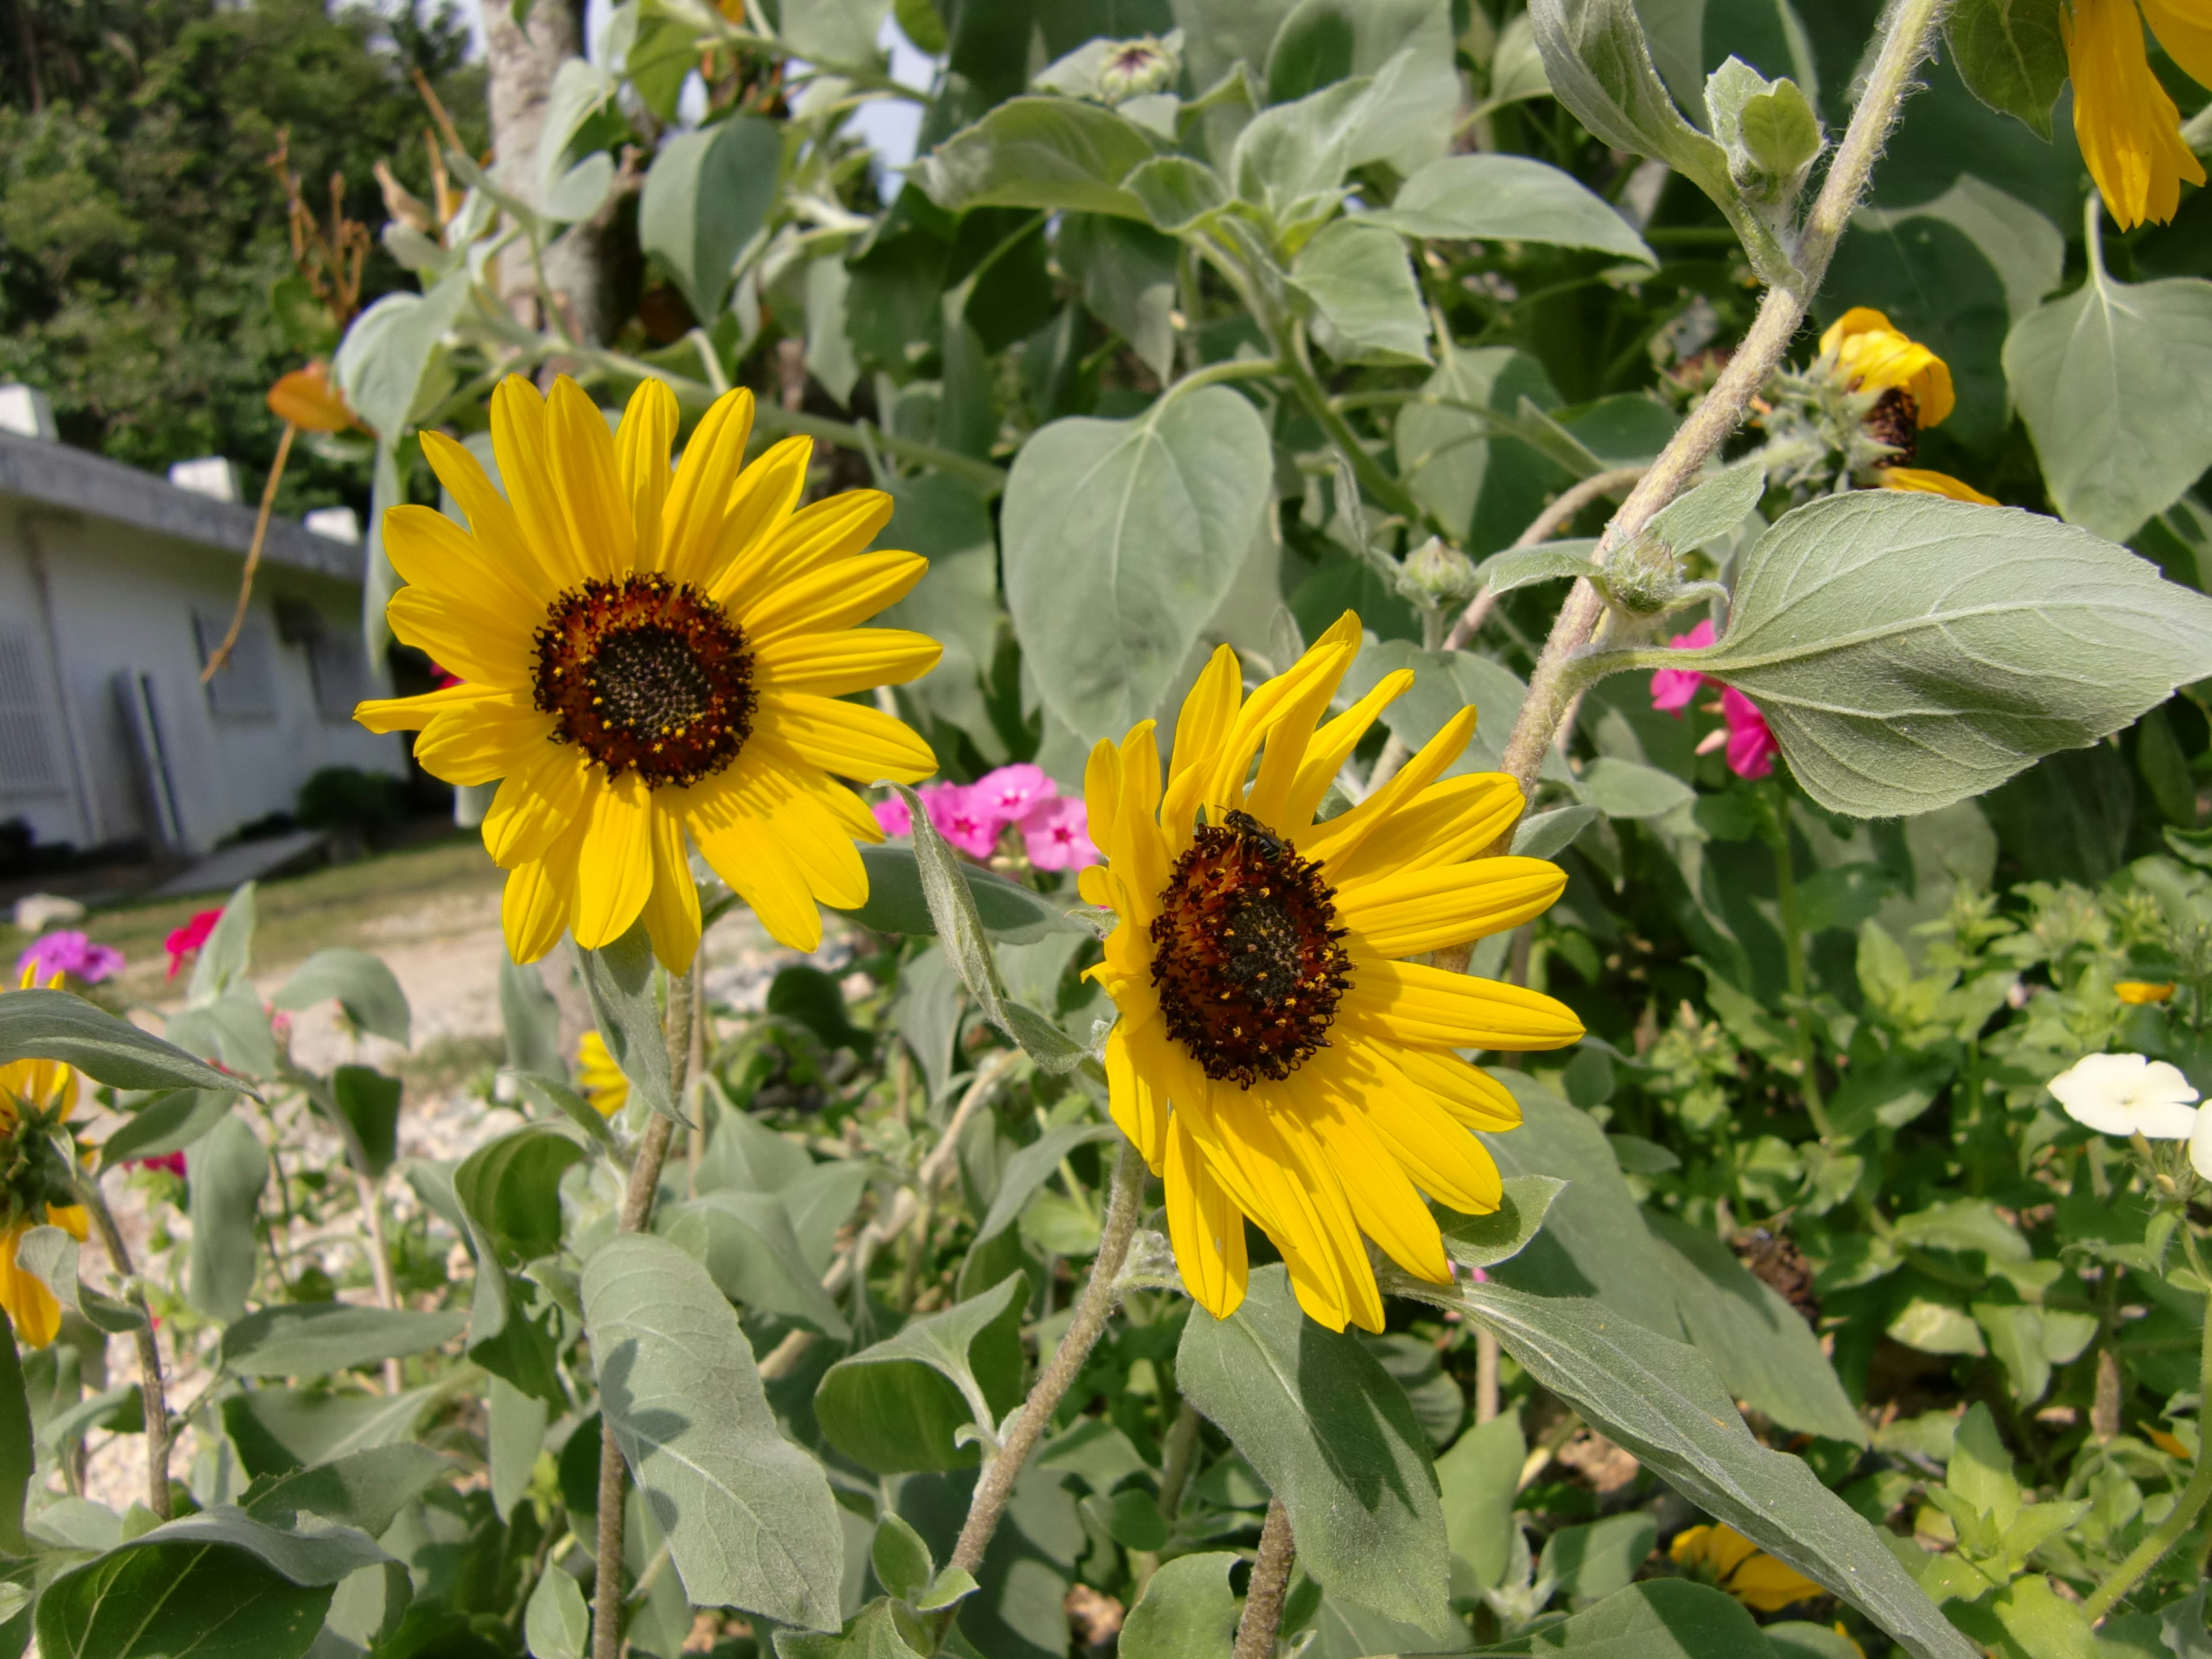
[(636, 1211), (1542, 528), (1911, 29), (1271, 1579), (1031, 1418), (154, 1395), (1793, 963), (2187, 1507)]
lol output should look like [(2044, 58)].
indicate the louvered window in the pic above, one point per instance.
[(30, 749)]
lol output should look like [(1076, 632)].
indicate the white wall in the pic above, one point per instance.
[(123, 598)]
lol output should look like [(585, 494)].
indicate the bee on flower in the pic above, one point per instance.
[(35, 1095)]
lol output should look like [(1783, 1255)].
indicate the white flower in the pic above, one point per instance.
[(2200, 1146), (2128, 1095)]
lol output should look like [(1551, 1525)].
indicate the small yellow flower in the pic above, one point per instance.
[(1274, 1058), (605, 1085), (649, 654), (1911, 390), (2137, 992), (2129, 128), (47, 1088), (1739, 1566)]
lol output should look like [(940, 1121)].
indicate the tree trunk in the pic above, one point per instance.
[(521, 60)]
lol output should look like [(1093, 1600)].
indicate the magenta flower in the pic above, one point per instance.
[(1750, 741), (1057, 833), (173, 1162), (184, 940), (967, 823), (70, 952), (1009, 793), (894, 816), (1672, 689)]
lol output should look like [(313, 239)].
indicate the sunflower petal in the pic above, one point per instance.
[(587, 480), (1102, 792), (1411, 1003), (382, 715), (478, 743), (700, 489), (1280, 762), (642, 446), (1384, 1202), (1140, 1110), (1450, 821), (854, 660), (849, 591), (1467, 1093), (538, 799), (1332, 746), (820, 846), (1412, 912), (671, 909), (1206, 1228), (534, 909), (760, 499), (831, 530), (1440, 1158), (1202, 723), (615, 867), (736, 837), (1341, 836), (842, 738), (525, 452), (430, 551), (484, 648), (491, 518)]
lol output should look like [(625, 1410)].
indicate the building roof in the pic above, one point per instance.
[(56, 475)]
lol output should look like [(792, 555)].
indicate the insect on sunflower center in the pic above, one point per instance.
[(1247, 965), (646, 675), (1895, 420)]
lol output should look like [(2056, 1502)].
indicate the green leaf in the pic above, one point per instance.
[(561, 1100), (169, 1122), (749, 1517), (1483, 1241), (1478, 1480), (226, 954), (707, 194), (918, 20), (381, 364), (226, 1169), (233, 1029), (313, 1339), (1121, 539), (753, 1256), (1187, 1611), (1545, 562), (1665, 1618), (2011, 56), (903, 1562), (50, 1254), (514, 1434), (1590, 1563), (1622, 789), (557, 1624), (1177, 192), (837, 30), (899, 1405), (18, 1461), (1052, 152), (1031, 1167), (1507, 199), (1714, 509), (368, 1101), (503, 1338), (619, 977), (1332, 1434), (41, 1024), (2115, 383), (947, 520), (277, 1429), (512, 1186), (1443, 684), (1546, 834), (1008, 911), (531, 1018), (359, 983), (1367, 307), (1910, 651), (1661, 1401), (223, 1583), (365, 1490), (874, 1634), (1127, 273)]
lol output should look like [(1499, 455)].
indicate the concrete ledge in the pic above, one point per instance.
[(57, 476)]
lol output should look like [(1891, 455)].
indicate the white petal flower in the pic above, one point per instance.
[(2127, 1094), (2200, 1146)]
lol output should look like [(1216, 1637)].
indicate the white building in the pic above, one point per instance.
[(114, 586)]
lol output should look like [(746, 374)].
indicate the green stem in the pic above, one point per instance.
[(1793, 965), (1237, 368), (2194, 1496), (1386, 489), (154, 1397)]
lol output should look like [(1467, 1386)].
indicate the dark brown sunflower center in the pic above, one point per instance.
[(646, 675), (1895, 420), (1248, 967)]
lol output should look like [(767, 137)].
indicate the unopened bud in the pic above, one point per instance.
[(1436, 577), (1639, 576), (1134, 68)]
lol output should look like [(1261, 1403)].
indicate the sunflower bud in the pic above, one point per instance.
[(1134, 68), (1436, 577), (1639, 575)]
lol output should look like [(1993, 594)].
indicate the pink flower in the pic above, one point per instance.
[(1057, 833), (173, 1162), (1672, 689), (967, 824), (71, 952), (1012, 791), (189, 938), (894, 816), (1751, 744)]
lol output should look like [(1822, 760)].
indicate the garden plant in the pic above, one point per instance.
[(1479, 738)]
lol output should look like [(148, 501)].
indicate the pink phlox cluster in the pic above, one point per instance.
[(72, 953), (1673, 688), (971, 817), (1749, 741)]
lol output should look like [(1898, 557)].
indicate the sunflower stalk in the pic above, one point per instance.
[(153, 1393), (636, 1212), (1271, 1583), (1909, 33), (1027, 1425)]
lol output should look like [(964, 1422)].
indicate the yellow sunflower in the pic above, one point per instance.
[(1739, 1566), (603, 1082), (2129, 128), (1274, 1058), (1910, 389), (43, 1088), (647, 653)]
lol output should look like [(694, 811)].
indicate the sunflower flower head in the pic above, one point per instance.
[(35, 1096), (1276, 1059), (2129, 128), (603, 1082), (652, 659), (1739, 1566)]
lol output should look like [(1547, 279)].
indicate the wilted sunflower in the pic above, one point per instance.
[(1908, 390), (34, 1089), (647, 653), (1274, 1058), (2129, 128)]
